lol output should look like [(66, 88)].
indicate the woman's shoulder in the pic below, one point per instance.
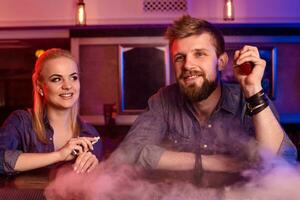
[(87, 129), (18, 118), (20, 115)]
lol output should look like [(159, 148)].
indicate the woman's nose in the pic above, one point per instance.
[(66, 85)]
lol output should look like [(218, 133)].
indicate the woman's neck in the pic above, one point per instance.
[(59, 117)]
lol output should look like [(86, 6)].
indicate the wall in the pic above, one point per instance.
[(16, 15), (61, 12)]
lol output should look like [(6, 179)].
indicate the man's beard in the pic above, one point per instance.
[(195, 93)]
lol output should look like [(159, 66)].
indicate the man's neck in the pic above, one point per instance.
[(205, 108)]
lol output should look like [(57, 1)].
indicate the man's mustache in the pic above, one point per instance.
[(187, 74)]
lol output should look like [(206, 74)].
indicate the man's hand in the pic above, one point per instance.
[(250, 83)]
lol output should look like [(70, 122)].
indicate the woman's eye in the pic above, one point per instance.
[(55, 79), (74, 78)]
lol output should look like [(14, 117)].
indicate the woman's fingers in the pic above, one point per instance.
[(85, 162), (77, 149), (85, 142), (77, 146), (88, 142)]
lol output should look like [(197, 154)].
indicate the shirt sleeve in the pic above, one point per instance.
[(9, 142), (141, 145), (287, 149), (90, 131)]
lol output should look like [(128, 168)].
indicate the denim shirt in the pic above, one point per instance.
[(170, 123), (18, 136)]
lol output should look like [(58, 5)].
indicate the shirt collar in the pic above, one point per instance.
[(229, 101), (230, 97), (82, 125)]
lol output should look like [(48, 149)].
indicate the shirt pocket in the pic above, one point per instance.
[(178, 141)]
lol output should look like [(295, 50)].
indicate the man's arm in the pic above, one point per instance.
[(181, 161), (148, 129), (269, 133), (171, 160)]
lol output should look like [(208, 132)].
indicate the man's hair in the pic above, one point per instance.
[(188, 26)]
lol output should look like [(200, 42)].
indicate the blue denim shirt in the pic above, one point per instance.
[(17, 136), (170, 123)]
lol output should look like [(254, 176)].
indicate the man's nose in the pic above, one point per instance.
[(189, 63)]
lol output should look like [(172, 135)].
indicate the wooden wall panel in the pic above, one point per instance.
[(99, 77)]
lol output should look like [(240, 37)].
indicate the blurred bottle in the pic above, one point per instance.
[(110, 115)]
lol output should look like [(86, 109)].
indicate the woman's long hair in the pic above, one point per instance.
[(38, 99)]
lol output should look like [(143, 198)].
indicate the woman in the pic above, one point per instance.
[(51, 132)]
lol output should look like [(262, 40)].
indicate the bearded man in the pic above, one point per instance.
[(200, 123)]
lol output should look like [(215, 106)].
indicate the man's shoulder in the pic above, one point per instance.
[(231, 88), (170, 92), (166, 96)]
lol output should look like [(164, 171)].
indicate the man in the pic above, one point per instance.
[(200, 123)]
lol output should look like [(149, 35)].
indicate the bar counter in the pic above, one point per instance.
[(25, 186)]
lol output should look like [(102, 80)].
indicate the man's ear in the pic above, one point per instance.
[(222, 61)]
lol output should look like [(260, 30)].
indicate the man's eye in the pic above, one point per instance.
[(198, 54), (179, 58)]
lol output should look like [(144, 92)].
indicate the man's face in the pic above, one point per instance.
[(196, 65)]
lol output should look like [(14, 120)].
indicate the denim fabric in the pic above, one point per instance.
[(170, 123), (17, 136)]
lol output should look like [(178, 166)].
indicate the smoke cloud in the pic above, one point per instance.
[(276, 180)]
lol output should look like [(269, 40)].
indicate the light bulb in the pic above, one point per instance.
[(228, 10), (80, 13)]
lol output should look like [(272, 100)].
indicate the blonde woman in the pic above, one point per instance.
[(52, 131)]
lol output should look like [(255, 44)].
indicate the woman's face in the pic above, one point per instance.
[(60, 84)]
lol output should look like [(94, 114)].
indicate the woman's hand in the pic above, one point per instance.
[(79, 145), (85, 162), (251, 83)]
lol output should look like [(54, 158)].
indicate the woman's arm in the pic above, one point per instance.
[(29, 161)]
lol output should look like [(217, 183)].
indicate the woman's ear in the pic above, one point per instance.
[(222, 61), (40, 90)]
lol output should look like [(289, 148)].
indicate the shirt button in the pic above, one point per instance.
[(209, 125), (205, 146), (175, 141), (50, 139)]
